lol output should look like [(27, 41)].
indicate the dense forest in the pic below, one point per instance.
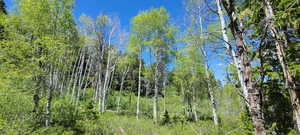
[(60, 75)]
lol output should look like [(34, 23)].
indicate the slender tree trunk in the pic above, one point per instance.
[(108, 70), (194, 108), (147, 93), (49, 100), (48, 112), (87, 77), (98, 90), (210, 90), (236, 60), (209, 85), (96, 87), (40, 84), (100, 94), (76, 74), (112, 77), (139, 87), (155, 93), (164, 88), (106, 81), (74, 71), (254, 94), (280, 44), (82, 78), (121, 88), (62, 85)]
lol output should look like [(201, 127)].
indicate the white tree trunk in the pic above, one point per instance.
[(236, 60), (121, 88), (76, 74), (139, 87), (87, 77), (155, 93), (280, 43), (74, 71), (254, 94), (209, 85), (50, 94), (210, 91)]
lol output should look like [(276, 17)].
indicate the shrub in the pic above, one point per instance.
[(64, 113)]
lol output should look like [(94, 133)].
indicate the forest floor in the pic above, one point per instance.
[(70, 119)]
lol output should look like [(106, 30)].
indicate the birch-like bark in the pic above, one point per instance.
[(231, 51), (76, 74), (82, 78), (76, 96), (155, 98), (280, 42), (210, 90), (87, 77), (104, 90), (209, 85), (74, 71), (194, 107), (164, 88), (96, 87), (121, 88), (50, 94), (139, 86), (147, 93), (112, 76), (98, 90), (254, 94), (108, 69)]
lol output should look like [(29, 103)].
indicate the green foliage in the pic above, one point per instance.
[(41, 34), (15, 107), (153, 29), (247, 122), (65, 113), (166, 118), (89, 113), (54, 130)]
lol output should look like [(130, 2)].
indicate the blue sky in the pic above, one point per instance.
[(127, 9)]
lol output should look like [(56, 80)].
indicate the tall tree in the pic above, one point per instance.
[(230, 49), (45, 41), (194, 9), (281, 43), (135, 49), (254, 94), (102, 35), (273, 24), (152, 28)]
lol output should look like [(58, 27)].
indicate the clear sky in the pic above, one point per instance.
[(127, 9)]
